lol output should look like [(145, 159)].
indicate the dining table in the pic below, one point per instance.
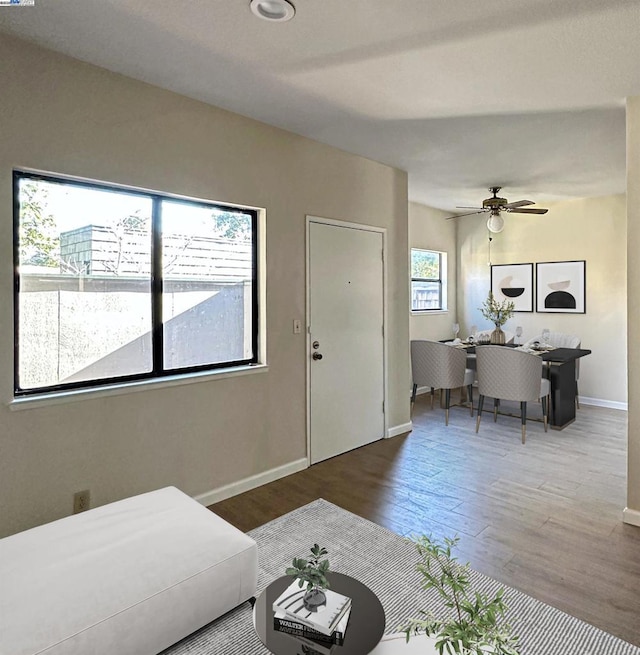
[(560, 369)]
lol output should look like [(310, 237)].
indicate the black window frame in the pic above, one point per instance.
[(158, 371), (439, 280)]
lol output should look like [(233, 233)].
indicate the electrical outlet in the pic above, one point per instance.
[(81, 501)]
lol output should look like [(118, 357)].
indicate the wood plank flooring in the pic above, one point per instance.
[(545, 518)]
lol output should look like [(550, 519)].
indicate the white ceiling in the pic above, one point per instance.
[(463, 94)]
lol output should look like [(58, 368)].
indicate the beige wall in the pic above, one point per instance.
[(429, 230), (66, 117), (592, 229), (633, 301)]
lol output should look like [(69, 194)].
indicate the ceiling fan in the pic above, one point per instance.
[(494, 206)]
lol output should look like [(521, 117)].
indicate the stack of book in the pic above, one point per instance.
[(321, 629)]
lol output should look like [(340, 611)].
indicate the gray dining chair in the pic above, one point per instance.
[(561, 340), (483, 336), (439, 366), (509, 374)]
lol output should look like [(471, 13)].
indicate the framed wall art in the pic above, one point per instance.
[(513, 282), (561, 287)]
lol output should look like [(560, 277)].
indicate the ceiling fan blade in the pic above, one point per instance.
[(518, 203), (478, 211), (465, 207), (527, 211)]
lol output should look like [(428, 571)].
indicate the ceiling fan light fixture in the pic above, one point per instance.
[(495, 223), (277, 11)]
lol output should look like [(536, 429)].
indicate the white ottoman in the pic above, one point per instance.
[(128, 578)]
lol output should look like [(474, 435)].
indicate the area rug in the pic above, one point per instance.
[(386, 563)]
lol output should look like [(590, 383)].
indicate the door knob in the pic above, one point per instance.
[(317, 356)]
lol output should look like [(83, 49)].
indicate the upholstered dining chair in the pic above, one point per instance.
[(509, 374), (561, 340), (440, 366), (483, 336)]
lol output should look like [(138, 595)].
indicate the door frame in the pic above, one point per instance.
[(385, 348)]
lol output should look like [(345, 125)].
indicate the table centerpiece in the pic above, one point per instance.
[(498, 313)]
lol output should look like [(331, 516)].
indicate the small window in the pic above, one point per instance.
[(117, 284), (428, 280)]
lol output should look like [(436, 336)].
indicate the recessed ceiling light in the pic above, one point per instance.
[(274, 10)]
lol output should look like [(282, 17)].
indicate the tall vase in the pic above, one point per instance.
[(497, 336)]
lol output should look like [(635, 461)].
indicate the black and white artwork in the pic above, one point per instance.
[(513, 282), (560, 287)]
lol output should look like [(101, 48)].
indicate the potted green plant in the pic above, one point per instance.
[(312, 571), (498, 313), (476, 623)]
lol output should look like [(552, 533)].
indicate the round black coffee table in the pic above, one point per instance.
[(364, 630)]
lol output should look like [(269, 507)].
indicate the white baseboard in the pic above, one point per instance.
[(235, 488), (399, 429), (598, 402), (584, 400), (631, 516)]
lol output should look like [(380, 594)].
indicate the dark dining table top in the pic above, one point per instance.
[(564, 354), (561, 355)]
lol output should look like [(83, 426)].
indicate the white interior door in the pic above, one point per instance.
[(346, 328)]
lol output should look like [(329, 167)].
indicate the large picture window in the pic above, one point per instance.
[(118, 285), (428, 280)]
